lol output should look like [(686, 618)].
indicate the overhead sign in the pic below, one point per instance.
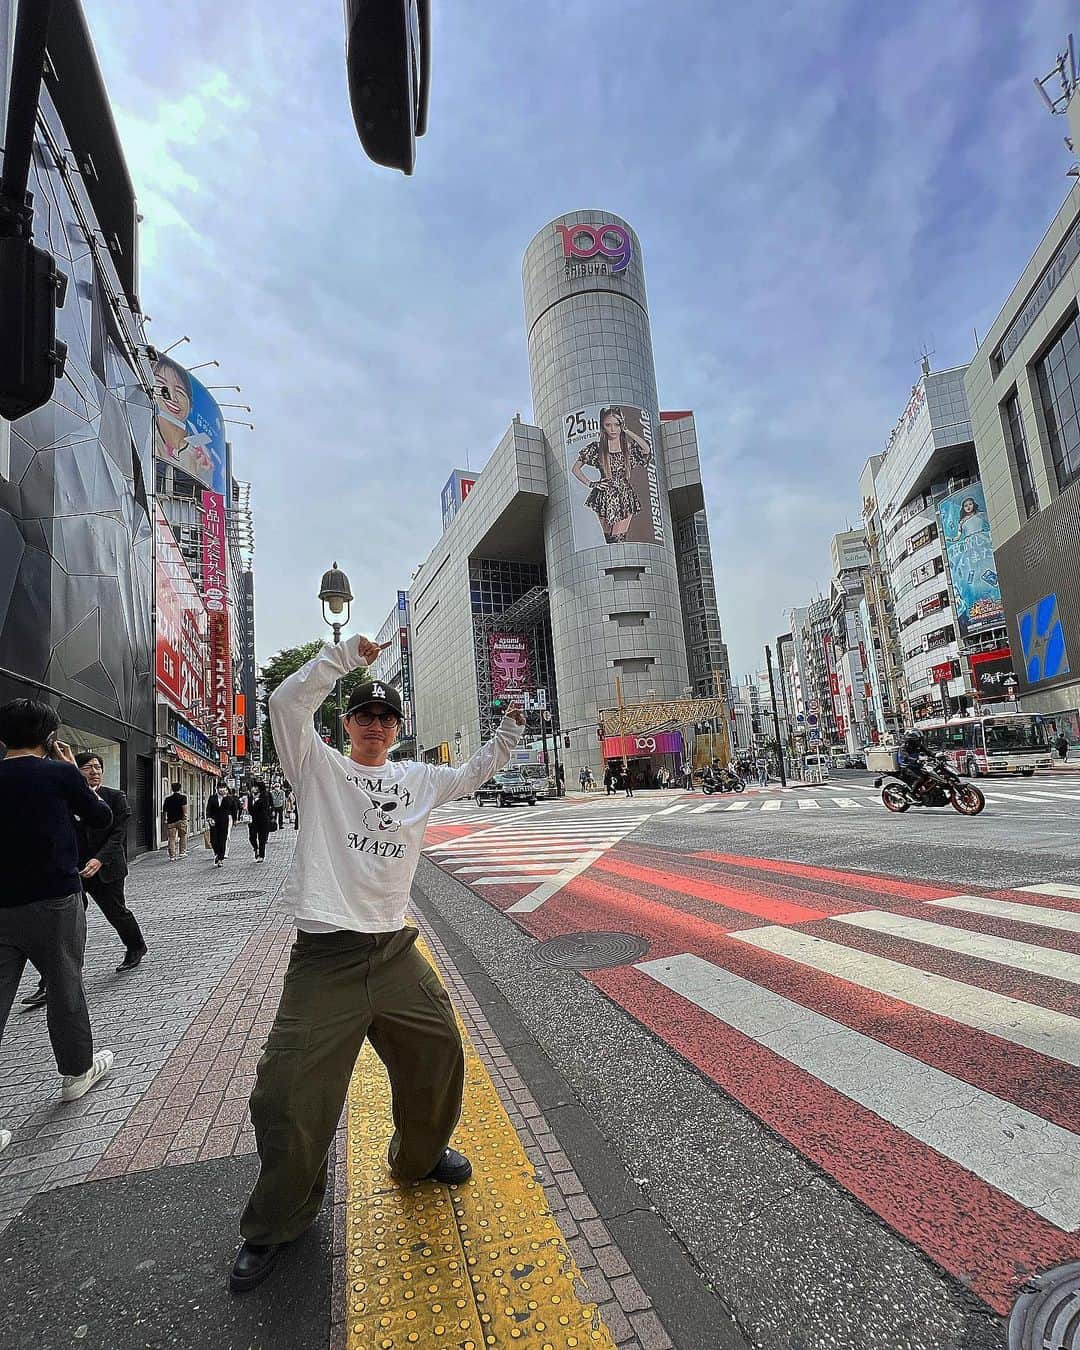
[(458, 486), (990, 671), (634, 747)]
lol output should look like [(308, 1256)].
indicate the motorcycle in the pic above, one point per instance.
[(944, 788), (724, 782)]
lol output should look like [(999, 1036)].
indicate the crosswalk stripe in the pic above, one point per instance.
[(670, 810), (1010, 909), (528, 903), (698, 810), (849, 802), (1061, 888), (771, 806), (1043, 1029), (737, 806), (1002, 951), (809, 804), (1020, 1154), (533, 869), (501, 879)]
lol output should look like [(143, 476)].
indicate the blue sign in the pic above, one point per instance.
[(190, 736), (1042, 641), (189, 430), (969, 552)]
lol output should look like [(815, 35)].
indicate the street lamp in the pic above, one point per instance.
[(336, 596)]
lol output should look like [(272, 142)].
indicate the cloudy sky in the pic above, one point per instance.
[(821, 187)]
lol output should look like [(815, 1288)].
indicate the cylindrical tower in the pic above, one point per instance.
[(615, 602)]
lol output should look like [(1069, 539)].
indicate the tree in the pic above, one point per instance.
[(286, 663)]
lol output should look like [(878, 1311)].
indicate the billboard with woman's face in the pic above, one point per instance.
[(189, 430), (614, 484), (969, 552)]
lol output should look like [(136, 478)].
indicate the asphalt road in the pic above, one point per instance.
[(851, 1101)]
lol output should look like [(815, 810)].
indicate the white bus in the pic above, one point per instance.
[(1001, 743)]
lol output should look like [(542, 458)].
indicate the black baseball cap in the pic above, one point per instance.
[(374, 691)]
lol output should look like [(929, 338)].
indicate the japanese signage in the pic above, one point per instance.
[(943, 672), (181, 635), (240, 727), (511, 670), (989, 671), (614, 484), (214, 561), (969, 552), (192, 737), (220, 683)]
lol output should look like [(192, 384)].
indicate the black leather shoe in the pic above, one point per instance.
[(452, 1169), (132, 958), (37, 999), (252, 1265)]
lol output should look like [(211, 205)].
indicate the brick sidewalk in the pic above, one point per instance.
[(159, 1020)]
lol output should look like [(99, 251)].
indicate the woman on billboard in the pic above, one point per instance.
[(173, 403), (972, 519), (612, 496)]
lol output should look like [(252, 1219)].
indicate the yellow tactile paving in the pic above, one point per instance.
[(462, 1267)]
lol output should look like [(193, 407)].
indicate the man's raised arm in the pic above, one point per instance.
[(296, 700), (488, 760)]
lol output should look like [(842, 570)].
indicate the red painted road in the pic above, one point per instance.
[(691, 904)]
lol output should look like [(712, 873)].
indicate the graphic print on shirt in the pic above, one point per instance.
[(379, 817)]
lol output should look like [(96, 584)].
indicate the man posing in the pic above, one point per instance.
[(42, 915), (354, 971), (104, 865)]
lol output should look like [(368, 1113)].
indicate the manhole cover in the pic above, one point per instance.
[(236, 895), (1047, 1316), (592, 951)]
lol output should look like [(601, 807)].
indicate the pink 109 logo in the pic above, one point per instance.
[(611, 242)]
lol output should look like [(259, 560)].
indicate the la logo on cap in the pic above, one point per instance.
[(377, 691)]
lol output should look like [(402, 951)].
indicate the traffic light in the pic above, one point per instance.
[(566, 742), (388, 60), (31, 357)]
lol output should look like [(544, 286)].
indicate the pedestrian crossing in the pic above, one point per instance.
[(872, 1018), (543, 854)]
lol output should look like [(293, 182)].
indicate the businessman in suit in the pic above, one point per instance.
[(103, 862)]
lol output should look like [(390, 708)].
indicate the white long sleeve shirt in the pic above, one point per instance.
[(361, 829)]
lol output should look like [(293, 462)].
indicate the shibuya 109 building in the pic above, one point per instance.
[(579, 556)]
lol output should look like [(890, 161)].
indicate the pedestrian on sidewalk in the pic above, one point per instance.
[(261, 814), (688, 776), (1062, 746), (762, 771), (354, 971), (42, 915), (609, 780), (174, 811), (277, 803), (103, 862), (222, 810), (624, 781)]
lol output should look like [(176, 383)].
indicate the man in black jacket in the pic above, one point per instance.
[(42, 918), (222, 810), (104, 866)]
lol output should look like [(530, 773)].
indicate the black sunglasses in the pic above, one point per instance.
[(368, 719)]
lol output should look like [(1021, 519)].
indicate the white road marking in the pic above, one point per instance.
[(1017, 1152), (848, 802), (1011, 909), (1002, 951), (670, 810), (534, 869), (697, 810), (1061, 888), (1042, 1029), (738, 806), (536, 898), (809, 804), (771, 806)]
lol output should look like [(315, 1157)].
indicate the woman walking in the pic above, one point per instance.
[(261, 812)]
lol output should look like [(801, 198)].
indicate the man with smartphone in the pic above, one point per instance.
[(354, 972), (42, 915)]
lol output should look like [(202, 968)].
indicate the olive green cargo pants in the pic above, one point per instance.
[(340, 988)]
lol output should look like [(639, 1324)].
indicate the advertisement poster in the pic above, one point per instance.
[(969, 552), (189, 430), (181, 639), (989, 673), (511, 670), (614, 484)]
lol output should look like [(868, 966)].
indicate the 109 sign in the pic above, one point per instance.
[(583, 242)]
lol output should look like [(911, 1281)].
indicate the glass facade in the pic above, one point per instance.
[(1017, 438), (1058, 374)]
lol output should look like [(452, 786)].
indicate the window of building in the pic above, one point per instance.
[(1018, 446), (1058, 377)]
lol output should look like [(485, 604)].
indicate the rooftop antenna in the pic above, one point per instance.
[(924, 362), (1058, 97)]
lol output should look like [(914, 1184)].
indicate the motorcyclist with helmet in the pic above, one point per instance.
[(910, 762)]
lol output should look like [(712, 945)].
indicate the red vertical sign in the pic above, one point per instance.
[(216, 595)]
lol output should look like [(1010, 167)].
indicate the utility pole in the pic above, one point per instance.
[(775, 716)]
